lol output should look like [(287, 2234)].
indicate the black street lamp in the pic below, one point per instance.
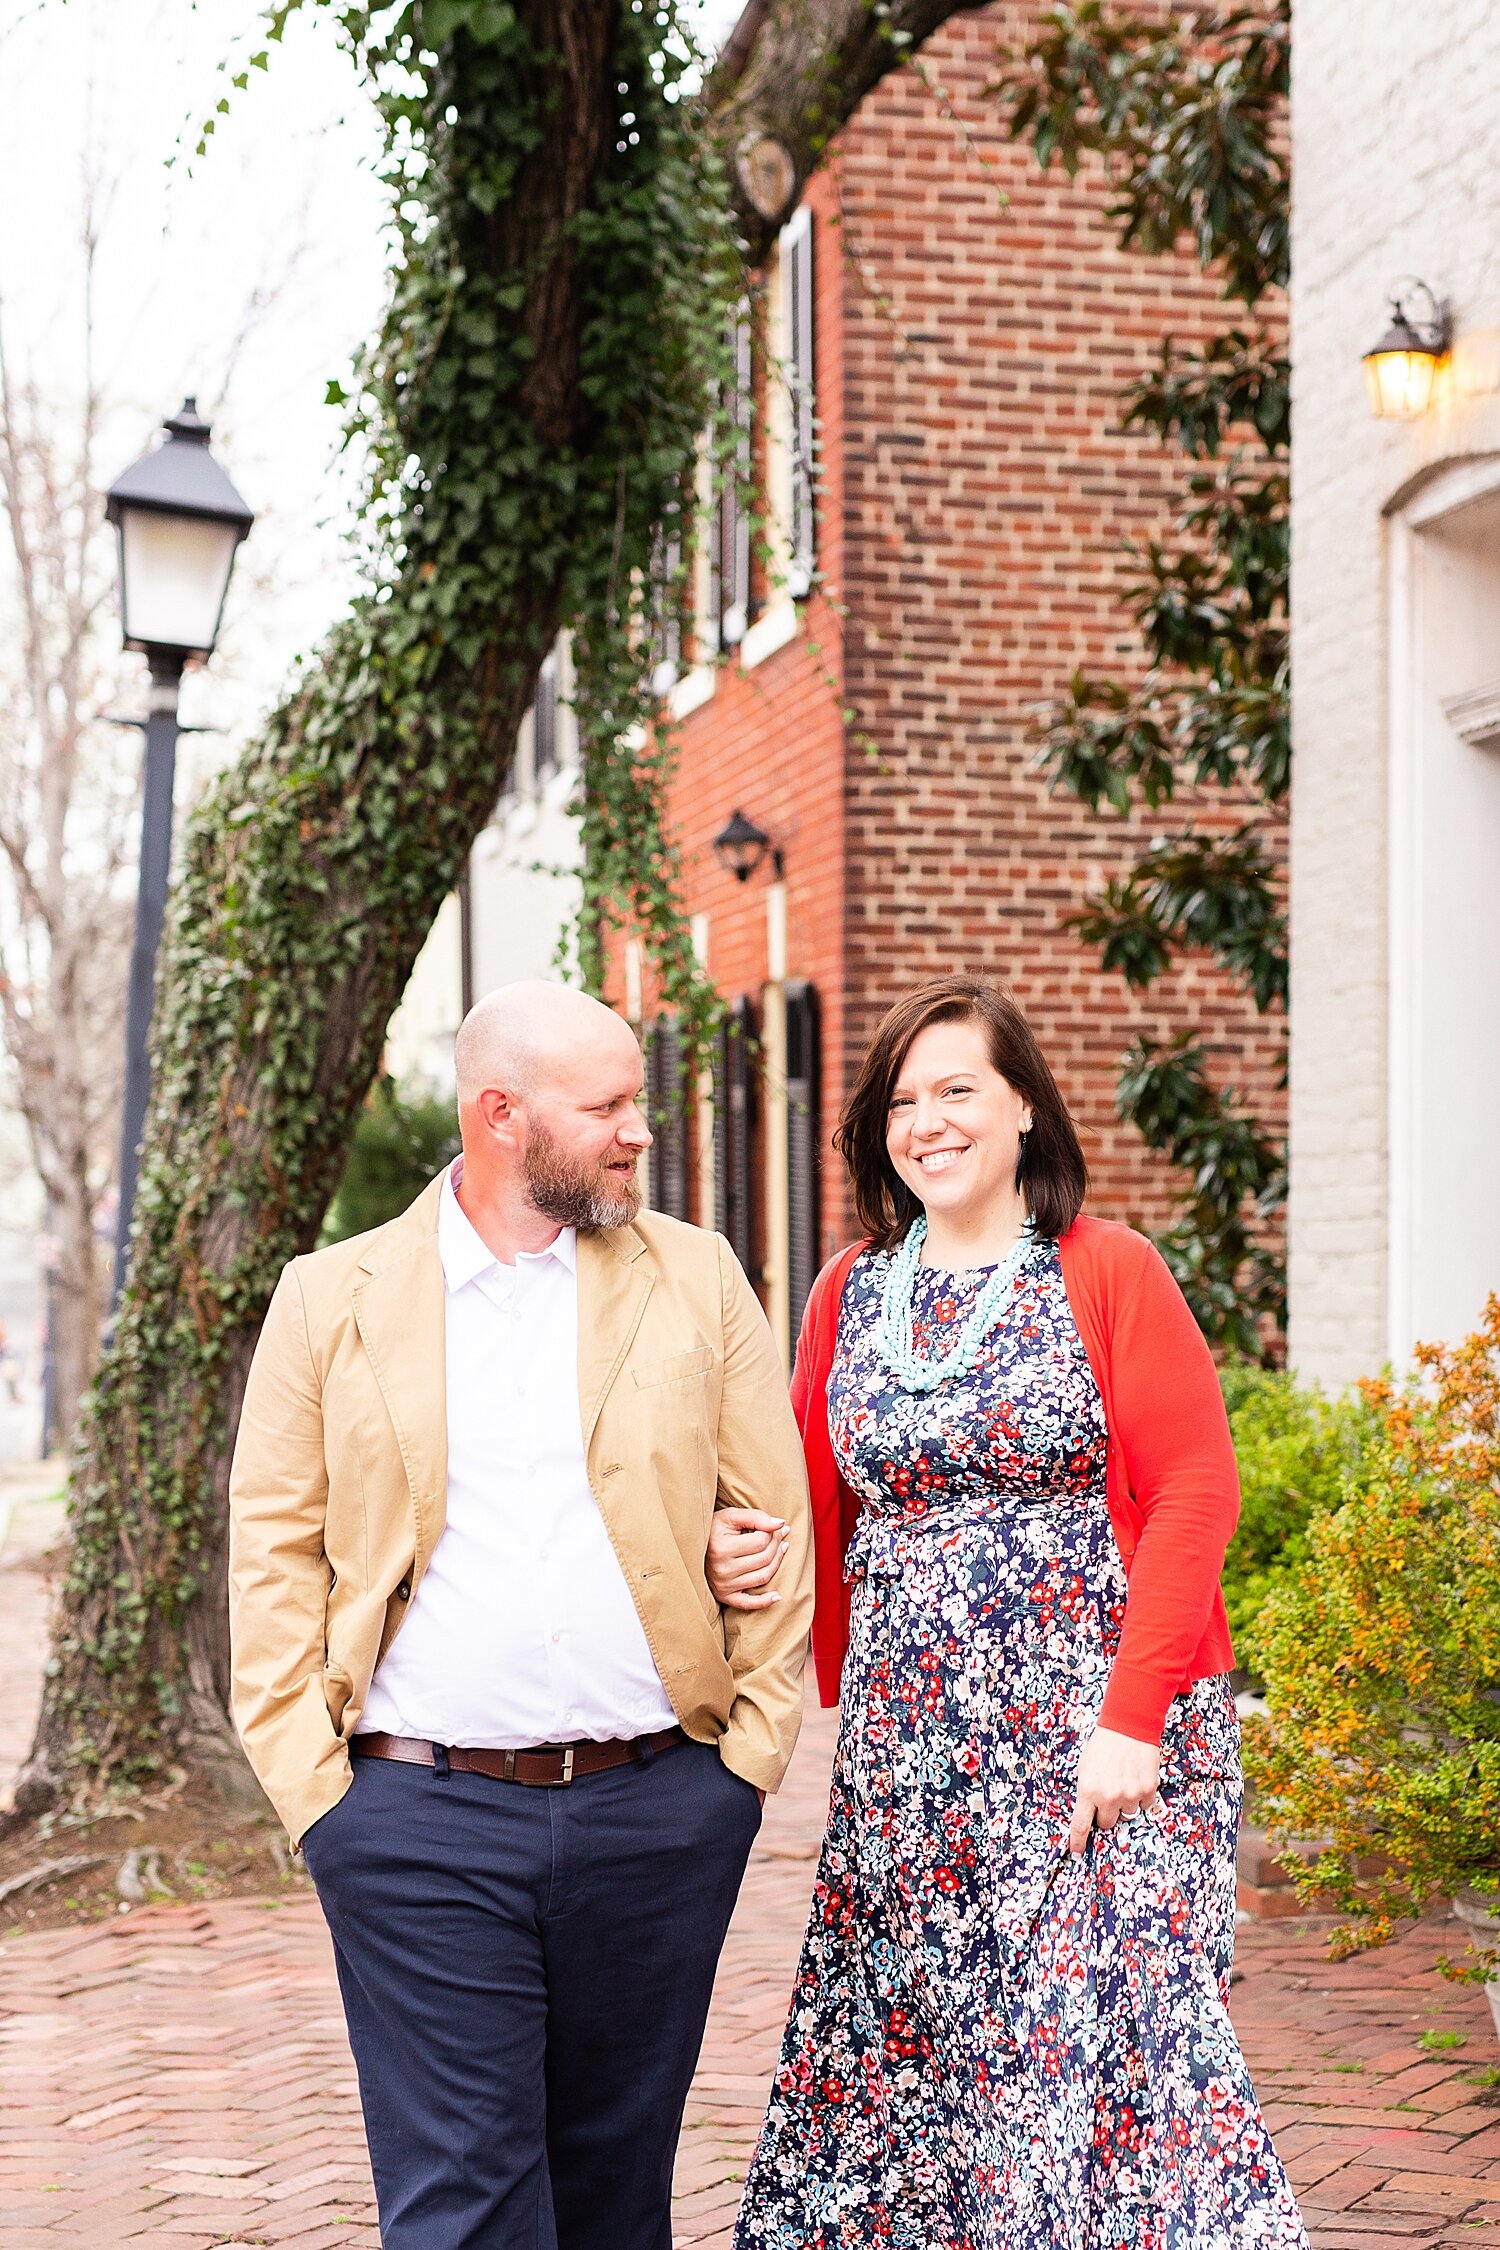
[(180, 523)]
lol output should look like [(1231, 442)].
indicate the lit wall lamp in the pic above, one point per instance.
[(1399, 371), (740, 848)]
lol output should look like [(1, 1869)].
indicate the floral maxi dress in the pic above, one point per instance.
[(993, 2044)]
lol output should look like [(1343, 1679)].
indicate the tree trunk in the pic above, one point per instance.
[(537, 404)]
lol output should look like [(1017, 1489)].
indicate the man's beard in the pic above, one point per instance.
[(575, 1195)]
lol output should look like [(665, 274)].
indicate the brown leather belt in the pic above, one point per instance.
[(552, 1765)]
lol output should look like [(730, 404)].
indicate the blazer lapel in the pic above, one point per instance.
[(614, 1282), (399, 1307)]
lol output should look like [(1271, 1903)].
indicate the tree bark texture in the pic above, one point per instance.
[(309, 879), (793, 72)]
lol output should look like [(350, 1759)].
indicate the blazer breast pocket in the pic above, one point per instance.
[(682, 1367)]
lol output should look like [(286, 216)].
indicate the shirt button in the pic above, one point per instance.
[(567, 1718), (557, 1636)]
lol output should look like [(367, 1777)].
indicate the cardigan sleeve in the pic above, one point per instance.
[(1173, 1433), (833, 1505)]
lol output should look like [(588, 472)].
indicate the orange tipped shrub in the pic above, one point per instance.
[(1381, 1661)]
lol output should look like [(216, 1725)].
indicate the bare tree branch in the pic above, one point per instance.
[(63, 922)]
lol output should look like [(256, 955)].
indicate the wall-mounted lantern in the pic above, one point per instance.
[(740, 847), (1401, 368)]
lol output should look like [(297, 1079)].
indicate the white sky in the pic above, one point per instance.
[(284, 207)]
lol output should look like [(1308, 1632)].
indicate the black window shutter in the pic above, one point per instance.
[(733, 1121), (722, 1066), (668, 1120), (651, 1044), (803, 1145)]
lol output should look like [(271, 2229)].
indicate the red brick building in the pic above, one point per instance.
[(969, 324)]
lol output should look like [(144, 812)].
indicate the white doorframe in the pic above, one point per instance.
[(1440, 496)]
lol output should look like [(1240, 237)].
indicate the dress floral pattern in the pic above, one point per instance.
[(994, 2045)]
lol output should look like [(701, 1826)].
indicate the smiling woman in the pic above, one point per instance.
[(1010, 2014), (955, 1084)]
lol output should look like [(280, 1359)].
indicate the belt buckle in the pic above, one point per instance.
[(565, 1778)]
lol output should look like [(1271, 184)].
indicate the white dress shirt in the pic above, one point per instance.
[(522, 1629)]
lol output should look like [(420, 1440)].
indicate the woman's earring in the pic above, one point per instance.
[(1021, 1154)]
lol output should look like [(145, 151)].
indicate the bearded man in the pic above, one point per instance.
[(479, 1668)]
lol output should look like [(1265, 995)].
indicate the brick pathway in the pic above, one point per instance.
[(179, 2077)]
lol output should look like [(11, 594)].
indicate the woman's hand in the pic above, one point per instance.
[(1117, 1776), (745, 1548)]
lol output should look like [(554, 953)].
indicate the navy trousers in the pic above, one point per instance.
[(526, 1976)]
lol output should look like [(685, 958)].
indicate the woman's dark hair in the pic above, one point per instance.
[(1051, 1166)]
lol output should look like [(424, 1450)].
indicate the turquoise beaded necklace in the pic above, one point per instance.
[(893, 1336)]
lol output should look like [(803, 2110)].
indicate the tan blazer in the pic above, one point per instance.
[(339, 1487)]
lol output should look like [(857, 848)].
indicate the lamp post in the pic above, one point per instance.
[(180, 522)]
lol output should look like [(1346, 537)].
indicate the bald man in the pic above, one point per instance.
[(479, 1665)]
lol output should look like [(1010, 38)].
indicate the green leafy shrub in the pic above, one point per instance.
[(1297, 1451), (402, 1140), (1381, 1656)]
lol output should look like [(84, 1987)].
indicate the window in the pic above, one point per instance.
[(796, 275), (803, 1150)]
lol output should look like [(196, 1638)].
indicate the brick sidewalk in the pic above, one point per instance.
[(179, 2077)]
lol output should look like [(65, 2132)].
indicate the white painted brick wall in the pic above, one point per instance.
[(1396, 149)]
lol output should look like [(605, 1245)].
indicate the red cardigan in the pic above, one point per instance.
[(1173, 1486)]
